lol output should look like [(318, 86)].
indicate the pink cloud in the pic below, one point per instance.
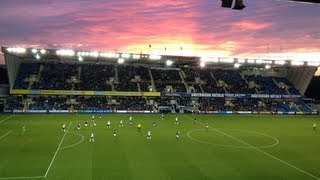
[(247, 25)]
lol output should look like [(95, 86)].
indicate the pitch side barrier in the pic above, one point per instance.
[(215, 95), (81, 93), (155, 112), (149, 94), (260, 112)]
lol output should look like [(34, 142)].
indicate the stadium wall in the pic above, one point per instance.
[(300, 77), (13, 64)]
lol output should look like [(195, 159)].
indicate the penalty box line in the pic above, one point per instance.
[(55, 154), (284, 162), (31, 177), (6, 118), (5, 134)]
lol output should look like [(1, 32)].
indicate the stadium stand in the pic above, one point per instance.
[(233, 81), (48, 103), (145, 78), (56, 77), (14, 102), (26, 71), (266, 85), (96, 77)]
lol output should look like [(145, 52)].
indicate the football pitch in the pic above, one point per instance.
[(233, 147)]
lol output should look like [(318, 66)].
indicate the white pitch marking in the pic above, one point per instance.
[(5, 134), (6, 119), (55, 154), (32, 177), (231, 146), (267, 154), (315, 177), (82, 138)]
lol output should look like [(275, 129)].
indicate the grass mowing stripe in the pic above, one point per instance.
[(228, 135), (55, 154), (267, 154), (6, 119), (5, 134)]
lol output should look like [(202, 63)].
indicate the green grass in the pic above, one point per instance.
[(225, 151)]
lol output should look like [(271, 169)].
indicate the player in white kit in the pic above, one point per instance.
[(149, 135), (91, 137)]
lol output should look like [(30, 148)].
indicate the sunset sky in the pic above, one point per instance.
[(198, 26)]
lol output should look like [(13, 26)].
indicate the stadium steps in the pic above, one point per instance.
[(279, 85), (215, 79), (201, 88), (139, 88), (182, 76), (242, 76), (116, 75), (38, 76), (79, 73), (152, 81)]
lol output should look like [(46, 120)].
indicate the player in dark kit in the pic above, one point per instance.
[(177, 135)]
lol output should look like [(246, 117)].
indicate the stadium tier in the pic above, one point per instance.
[(145, 85), (88, 77)]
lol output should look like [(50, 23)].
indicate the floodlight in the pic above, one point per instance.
[(80, 58), (127, 56), (227, 60), (240, 60), (42, 51), (297, 63), (312, 63), (236, 65), (154, 57), (34, 51), (94, 54), (65, 52), (37, 56), (279, 62), (259, 61), (267, 66), (120, 60), (169, 62), (136, 56), (202, 64), (251, 61)]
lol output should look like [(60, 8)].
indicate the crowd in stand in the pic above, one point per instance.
[(14, 102), (101, 77), (234, 81), (56, 76), (152, 103), (48, 103), (26, 70), (95, 77), (91, 103), (210, 83), (266, 85)]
